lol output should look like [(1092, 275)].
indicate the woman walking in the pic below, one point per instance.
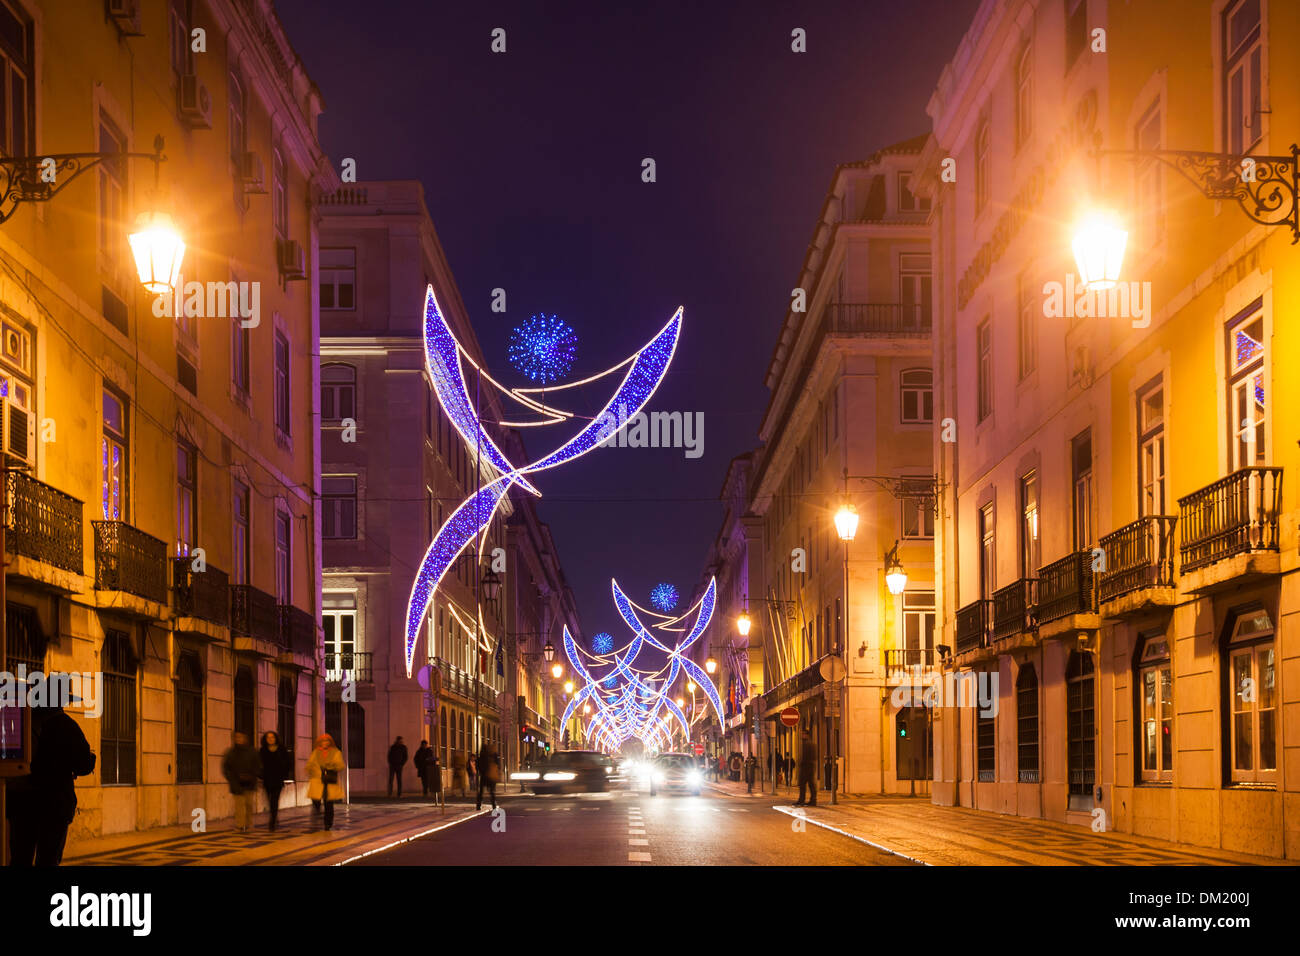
[(323, 770), (277, 767)]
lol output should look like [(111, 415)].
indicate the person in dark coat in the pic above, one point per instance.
[(277, 767), (807, 771), (397, 757), (489, 773), (751, 771), (433, 775), (421, 761), (241, 768), (40, 805)]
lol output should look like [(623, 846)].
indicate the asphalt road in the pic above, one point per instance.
[(623, 828)]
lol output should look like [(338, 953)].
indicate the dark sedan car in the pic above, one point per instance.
[(568, 771)]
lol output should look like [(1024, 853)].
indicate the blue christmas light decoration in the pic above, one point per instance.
[(602, 643), (664, 596), (542, 348)]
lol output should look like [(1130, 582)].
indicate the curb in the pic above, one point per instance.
[(408, 839), (790, 812)]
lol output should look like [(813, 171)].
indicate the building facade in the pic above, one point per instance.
[(1117, 547), (161, 452)]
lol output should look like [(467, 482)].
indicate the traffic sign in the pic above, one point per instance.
[(832, 669), (699, 750), (789, 716)]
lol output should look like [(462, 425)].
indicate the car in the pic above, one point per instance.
[(568, 771), (674, 771)]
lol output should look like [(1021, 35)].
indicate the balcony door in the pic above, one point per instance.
[(1246, 389)]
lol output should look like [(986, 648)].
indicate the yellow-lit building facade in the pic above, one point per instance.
[(161, 522), (1116, 548)]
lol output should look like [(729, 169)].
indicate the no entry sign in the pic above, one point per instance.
[(789, 716), (699, 750)]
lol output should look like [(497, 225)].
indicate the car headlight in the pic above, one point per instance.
[(659, 777), (559, 775), (609, 770), (525, 775), (693, 776)]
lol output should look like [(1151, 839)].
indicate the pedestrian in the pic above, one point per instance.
[(736, 764), (277, 767), (421, 760), (241, 768), (397, 760), (433, 775), (471, 768), (41, 804), (489, 773), (787, 767), (751, 771), (323, 770), (459, 779), (807, 771)]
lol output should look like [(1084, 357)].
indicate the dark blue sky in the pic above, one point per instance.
[(531, 163)]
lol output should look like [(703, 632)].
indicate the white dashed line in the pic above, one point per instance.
[(638, 842), (633, 833), (638, 857)]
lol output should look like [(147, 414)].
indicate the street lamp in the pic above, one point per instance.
[(1099, 245), (743, 623), (895, 576), (846, 521), (711, 665), (158, 250), (568, 688), (548, 652)]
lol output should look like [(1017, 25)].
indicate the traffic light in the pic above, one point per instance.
[(902, 728), (548, 748)]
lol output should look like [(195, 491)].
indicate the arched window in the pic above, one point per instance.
[(1027, 724), (117, 732), (1080, 729), (245, 693), (916, 396), (338, 392), (286, 695), (442, 732), (189, 718)]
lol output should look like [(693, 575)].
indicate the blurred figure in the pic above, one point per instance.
[(471, 768), (433, 775), (489, 773), (807, 771), (241, 768), (397, 757), (277, 767), (40, 805), (459, 778), (421, 760), (751, 771), (323, 769)]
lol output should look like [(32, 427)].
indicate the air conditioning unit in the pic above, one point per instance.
[(252, 173), (292, 261), (195, 103), (125, 15), (18, 428)]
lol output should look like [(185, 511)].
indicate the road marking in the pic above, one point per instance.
[(790, 811), (414, 836), (636, 833), (737, 809), (638, 857), (588, 808), (638, 842)]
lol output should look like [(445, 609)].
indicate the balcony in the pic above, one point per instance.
[(44, 533), (1139, 569), (793, 689), (253, 620), (132, 562), (296, 630), (1230, 529), (204, 595), (356, 665), (1067, 597), (1013, 609), (973, 625), (908, 665), (878, 318)]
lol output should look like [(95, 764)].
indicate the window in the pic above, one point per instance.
[(1252, 670), (986, 747), (984, 369), (1031, 555), (283, 559), (1080, 729), (239, 356), (245, 696), (1149, 181), (27, 642), (909, 201), (114, 460), (1030, 310), (916, 396), (988, 555), (1081, 464), (178, 33), (237, 116), (918, 627), (356, 735), (285, 698), (112, 193), (1076, 30), (117, 732), (340, 638), (338, 392), (1155, 687), (1243, 51), (1027, 724), (1151, 449), (982, 174), (279, 194), (281, 383), (338, 508), (187, 525), (16, 95), (189, 718), (1246, 407), (915, 290), (918, 517), (338, 278), (239, 507), (1024, 94)]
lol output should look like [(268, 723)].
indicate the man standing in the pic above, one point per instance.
[(241, 767), (751, 771), (396, 761), (807, 770), (42, 804)]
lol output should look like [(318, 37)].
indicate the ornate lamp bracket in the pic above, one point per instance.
[(41, 178)]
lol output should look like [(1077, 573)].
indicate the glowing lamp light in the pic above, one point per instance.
[(690, 687), (1099, 251), (846, 521), (158, 250), (743, 623), (557, 670), (680, 701), (568, 687), (895, 576), (586, 708), (711, 665)]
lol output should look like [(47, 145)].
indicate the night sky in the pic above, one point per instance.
[(531, 164)]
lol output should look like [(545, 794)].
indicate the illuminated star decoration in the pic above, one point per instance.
[(444, 356), (664, 596), (602, 643), (542, 348), (632, 700)]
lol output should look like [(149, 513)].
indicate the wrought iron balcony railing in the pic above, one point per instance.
[(355, 664), (1014, 607), (127, 559), (806, 679), (296, 629), (973, 625), (878, 318), (1139, 555), (1235, 514), (203, 594), (1066, 587), (253, 614), (44, 524)]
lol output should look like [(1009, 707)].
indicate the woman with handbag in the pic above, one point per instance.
[(323, 770)]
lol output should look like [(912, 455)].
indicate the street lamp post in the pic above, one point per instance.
[(846, 526)]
